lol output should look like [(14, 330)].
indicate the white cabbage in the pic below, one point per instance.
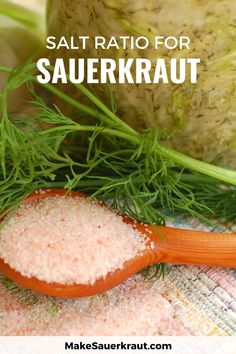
[(202, 116), (21, 34)]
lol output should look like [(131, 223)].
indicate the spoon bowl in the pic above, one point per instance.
[(169, 245)]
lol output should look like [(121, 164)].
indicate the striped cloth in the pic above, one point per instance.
[(190, 300), (206, 296)]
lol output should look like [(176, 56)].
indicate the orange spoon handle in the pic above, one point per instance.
[(193, 247)]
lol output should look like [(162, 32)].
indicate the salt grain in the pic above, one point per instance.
[(68, 240)]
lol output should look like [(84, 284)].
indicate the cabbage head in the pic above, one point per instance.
[(201, 118)]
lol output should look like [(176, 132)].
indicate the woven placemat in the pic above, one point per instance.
[(188, 301)]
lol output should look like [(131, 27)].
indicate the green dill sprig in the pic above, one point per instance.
[(29, 299), (109, 159), (24, 296)]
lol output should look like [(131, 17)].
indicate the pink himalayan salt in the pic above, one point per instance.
[(68, 240)]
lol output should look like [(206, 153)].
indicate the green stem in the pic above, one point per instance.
[(94, 128), (82, 184), (70, 100), (4, 69), (27, 17), (121, 124), (74, 103), (195, 178), (219, 173)]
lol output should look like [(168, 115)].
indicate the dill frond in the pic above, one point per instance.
[(29, 299), (24, 296)]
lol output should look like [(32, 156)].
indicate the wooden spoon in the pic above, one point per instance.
[(171, 245)]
